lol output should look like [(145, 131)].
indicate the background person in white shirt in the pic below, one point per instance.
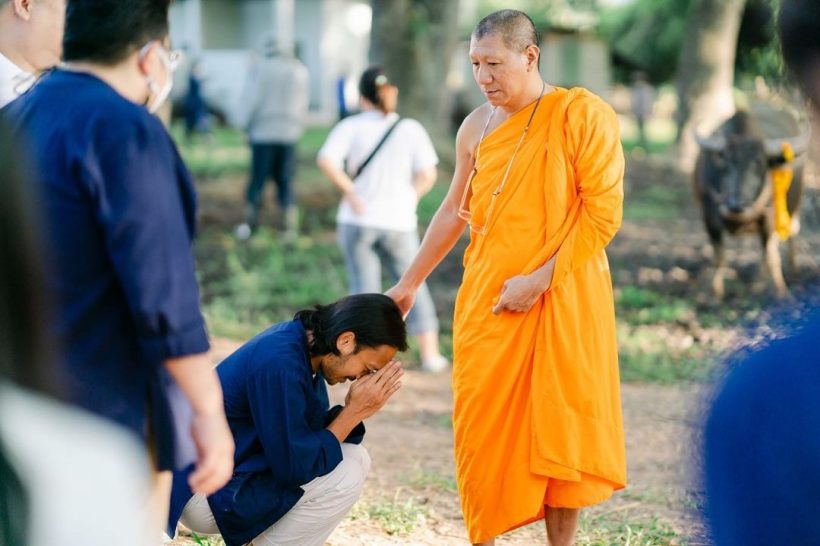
[(377, 223), (31, 40)]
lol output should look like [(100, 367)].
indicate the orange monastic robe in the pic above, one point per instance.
[(537, 394)]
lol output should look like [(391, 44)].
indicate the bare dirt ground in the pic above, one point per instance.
[(411, 489), (410, 496)]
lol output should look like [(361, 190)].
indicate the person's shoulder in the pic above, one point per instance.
[(350, 123), (470, 130), (273, 350), (411, 126), (583, 102)]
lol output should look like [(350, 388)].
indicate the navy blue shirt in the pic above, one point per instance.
[(762, 447), (278, 424), (119, 210)]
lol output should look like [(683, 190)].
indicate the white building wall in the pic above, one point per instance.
[(330, 36), (186, 25)]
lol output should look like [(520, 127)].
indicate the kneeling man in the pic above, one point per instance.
[(298, 466)]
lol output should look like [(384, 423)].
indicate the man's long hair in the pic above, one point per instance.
[(374, 319)]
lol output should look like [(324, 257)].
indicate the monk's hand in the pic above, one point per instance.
[(369, 393), (519, 294), (403, 297)]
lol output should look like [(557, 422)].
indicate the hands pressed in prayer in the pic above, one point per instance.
[(369, 393)]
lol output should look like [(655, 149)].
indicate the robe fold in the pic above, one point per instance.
[(537, 394)]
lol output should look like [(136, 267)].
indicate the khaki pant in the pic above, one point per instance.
[(326, 501)]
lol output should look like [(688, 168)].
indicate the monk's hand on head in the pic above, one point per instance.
[(368, 394), (519, 294), (404, 298)]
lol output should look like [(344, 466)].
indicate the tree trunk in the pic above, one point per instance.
[(706, 71), (414, 41)]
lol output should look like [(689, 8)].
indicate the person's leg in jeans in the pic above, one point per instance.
[(326, 501), (283, 169), (397, 249), (364, 273), (261, 158)]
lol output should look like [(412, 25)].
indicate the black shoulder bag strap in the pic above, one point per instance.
[(376, 149)]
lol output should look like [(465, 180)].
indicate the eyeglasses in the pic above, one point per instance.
[(170, 58), (465, 213)]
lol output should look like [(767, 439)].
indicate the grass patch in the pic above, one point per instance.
[(394, 517), (430, 478), (207, 541), (603, 531), (227, 150), (247, 286), (429, 203), (656, 202), (444, 421), (662, 368), (660, 135), (224, 152), (642, 306)]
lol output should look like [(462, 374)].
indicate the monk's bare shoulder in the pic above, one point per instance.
[(470, 131)]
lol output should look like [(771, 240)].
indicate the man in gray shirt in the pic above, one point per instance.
[(274, 103)]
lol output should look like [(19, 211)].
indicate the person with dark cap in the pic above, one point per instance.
[(761, 448), (383, 165)]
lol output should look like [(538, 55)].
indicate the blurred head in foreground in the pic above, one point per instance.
[(130, 39)]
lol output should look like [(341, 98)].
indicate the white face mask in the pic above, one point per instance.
[(158, 95)]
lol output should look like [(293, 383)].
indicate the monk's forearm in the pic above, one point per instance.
[(442, 234), (543, 275)]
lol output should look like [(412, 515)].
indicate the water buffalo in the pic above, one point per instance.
[(733, 183)]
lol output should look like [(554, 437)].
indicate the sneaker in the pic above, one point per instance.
[(243, 232), (435, 365)]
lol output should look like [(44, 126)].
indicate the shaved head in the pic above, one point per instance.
[(515, 28)]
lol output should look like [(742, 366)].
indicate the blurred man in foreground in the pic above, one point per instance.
[(761, 447), (119, 208)]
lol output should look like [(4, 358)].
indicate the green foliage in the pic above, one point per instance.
[(203, 541), (247, 286), (396, 518), (430, 478), (655, 202), (224, 152), (646, 35), (429, 203), (758, 49), (650, 346)]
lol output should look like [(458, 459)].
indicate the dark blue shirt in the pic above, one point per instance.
[(762, 447), (119, 211), (278, 423)]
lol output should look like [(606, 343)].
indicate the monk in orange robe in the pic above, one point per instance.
[(539, 179)]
